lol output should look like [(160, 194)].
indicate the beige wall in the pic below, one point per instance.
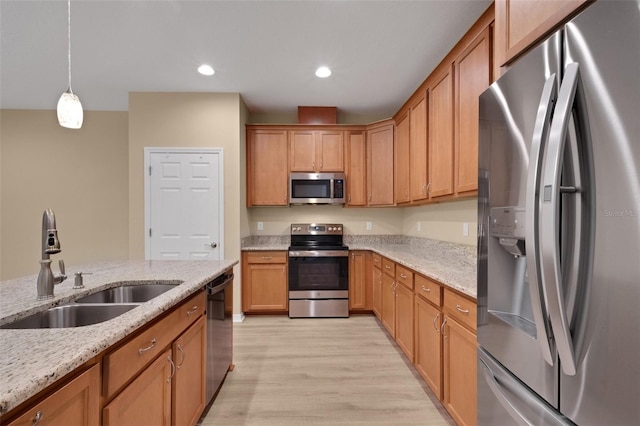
[(188, 120), (81, 174), (291, 117), (442, 221)]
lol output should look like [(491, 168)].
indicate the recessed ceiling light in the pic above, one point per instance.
[(323, 72), (206, 70)]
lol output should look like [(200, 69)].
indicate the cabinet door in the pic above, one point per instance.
[(189, 383), (441, 135), (428, 344), (401, 169), (460, 372), (356, 171), (473, 76), (146, 400), (418, 151), (267, 168), (266, 288), (76, 403), (330, 150), (303, 151), (357, 280), (520, 23), (380, 166), (404, 319), (377, 292), (389, 304)]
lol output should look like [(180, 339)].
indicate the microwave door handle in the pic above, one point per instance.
[(540, 136), (549, 214)]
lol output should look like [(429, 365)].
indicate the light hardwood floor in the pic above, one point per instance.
[(321, 372)]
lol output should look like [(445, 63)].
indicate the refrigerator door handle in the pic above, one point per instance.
[(550, 267), (540, 136)]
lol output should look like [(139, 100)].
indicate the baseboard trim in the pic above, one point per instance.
[(238, 317)]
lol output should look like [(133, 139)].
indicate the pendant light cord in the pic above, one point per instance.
[(69, 40)]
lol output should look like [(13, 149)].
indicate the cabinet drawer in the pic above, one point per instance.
[(404, 276), (267, 257), (377, 260), (126, 361), (388, 267), (460, 308), (428, 289)]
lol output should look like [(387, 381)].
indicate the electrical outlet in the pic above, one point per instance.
[(369, 226), (260, 226), (419, 226), (465, 229)]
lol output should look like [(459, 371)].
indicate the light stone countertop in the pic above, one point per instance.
[(32, 359), (453, 265)]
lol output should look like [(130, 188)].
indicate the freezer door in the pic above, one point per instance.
[(504, 398), (512, 320), (603, 43)]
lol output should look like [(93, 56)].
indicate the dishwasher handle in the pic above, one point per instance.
[(219, 283)]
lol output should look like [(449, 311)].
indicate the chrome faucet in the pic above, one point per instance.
[(50, 245)]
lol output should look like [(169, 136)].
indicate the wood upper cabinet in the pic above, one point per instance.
[(316, 151), (356, 169), (401, 161), (189, 381), (441, 133), (428, 344), (472, 77), (267, 167), (75, 403), (380, 165), (146, 400), (359, 281), (264, 281), (520, 23), (418, 150)]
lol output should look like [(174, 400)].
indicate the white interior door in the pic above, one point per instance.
[(184, 204)]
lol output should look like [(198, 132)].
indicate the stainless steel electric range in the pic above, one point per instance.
[(318, 271)]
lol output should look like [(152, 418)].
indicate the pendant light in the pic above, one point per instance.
[(70, 113)]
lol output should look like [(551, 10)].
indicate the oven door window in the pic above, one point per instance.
[(318, 273), (311, 188)]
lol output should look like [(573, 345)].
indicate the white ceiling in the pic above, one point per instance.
[(267, 51)]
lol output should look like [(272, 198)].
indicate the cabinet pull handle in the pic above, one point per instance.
[(435, 319), (428, 188), (424, 189), (349, 197), (143, 350), (192, 311), (387, 267), (173, 369), (183, 356), (459, 309), (36, 419), (425, 289), (403, 276), (267, 257), (313, 166), (369, 197), (442, 328)]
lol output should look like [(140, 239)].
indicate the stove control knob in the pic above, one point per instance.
[(298, 228), (339, 228), (331, 228)]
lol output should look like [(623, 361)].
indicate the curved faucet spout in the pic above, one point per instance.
[(50, 245)]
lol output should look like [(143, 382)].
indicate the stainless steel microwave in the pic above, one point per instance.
[(316, 188)]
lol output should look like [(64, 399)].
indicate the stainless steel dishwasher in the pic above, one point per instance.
[(219, 331)]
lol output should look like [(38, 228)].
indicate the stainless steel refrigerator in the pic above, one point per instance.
[(559, 228)]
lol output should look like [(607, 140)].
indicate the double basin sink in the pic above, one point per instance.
[(94, 308)]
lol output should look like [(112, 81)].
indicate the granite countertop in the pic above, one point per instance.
[(32, 359), (451, 264)]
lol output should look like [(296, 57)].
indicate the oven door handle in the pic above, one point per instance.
[(318, 253)]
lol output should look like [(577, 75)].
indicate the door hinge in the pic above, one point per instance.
[(149, 232), (149, 170)]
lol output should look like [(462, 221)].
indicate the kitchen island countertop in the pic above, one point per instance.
[(32, 359)]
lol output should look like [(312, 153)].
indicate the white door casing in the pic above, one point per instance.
[(184, 209)]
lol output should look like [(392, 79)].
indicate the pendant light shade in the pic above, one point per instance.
[(70, 112)]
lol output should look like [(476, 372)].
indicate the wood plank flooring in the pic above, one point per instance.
[(321, 372)]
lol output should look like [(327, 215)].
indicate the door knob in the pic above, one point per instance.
[(212, 245)]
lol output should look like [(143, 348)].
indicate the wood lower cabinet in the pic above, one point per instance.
[(264, 281), (428, 344), (189, 381), (359, 282), (388, 317), (380, 164), (147, 400), (404, 319), (267, 167), (356, 169), (75, 403), (376, 261), (520, 23)]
